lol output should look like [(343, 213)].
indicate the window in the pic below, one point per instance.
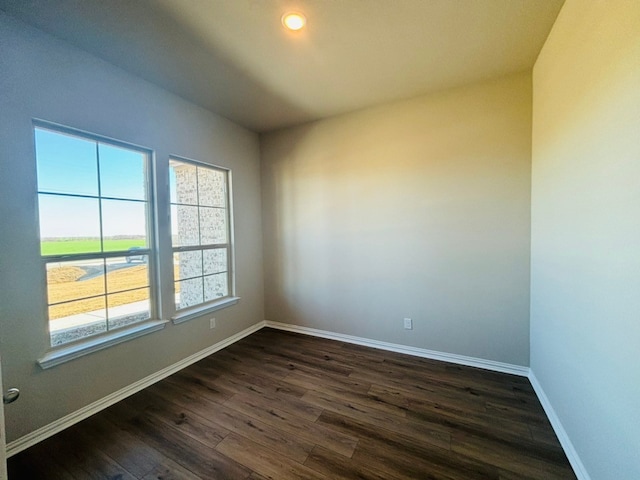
[(201, 233), (96, 238), (98, 251)]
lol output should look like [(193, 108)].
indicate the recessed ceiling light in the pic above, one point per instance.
[(294, 21)]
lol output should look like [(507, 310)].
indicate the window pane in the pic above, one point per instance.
[(127, 273), (189, 264), (183, 183), (215, 261), (75, 320), (124, 224), (215, 286), (184, 226), (211, 187), (68, 224), (122, 172), (75, 174), (213, 225), (190, 292), (74, 280), (126, 308), (66, 164)]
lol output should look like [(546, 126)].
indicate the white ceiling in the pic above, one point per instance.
[(235, 58)]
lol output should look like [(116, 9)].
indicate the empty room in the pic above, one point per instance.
[(320, 239)]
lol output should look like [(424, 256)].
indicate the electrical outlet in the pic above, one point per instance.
[(408, 324), (212, 322)]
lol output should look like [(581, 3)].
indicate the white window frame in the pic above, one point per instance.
[(188, 313), (91, 343)]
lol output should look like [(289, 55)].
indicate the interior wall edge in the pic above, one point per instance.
[(558, 428), (71, 419), (418, 204), (46, 78), (485, 364)]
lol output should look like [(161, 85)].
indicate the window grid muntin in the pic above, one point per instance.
[(202, 247), (202, 263), (104, 255), (80, 195), (107, 292), (67, 257), (105, 296)]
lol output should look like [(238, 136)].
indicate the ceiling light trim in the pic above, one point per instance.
[(294, 21)]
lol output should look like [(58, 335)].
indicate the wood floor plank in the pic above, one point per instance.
[(191, 454), (257, 381), (280, 405), (257, 476), (337, 467), (228, 362), (198, 427), (133, 454), (458, 391), (83, 461), (264, 461), (302, 358), (345, 393), (198, 402), (269, 338), (323, 355), (388, 448), (278, 394), (431, 463), (422, 403), (425, 408), (545, 434), (254, 406), (208, 389), (170, 470), (519, 413), (41, 462), (432, 434), (440, 373), (305, 379), (539, 463), (397, 468), (295, 448), (201, 407)]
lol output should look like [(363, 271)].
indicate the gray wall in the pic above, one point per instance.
[(43, 78), (585, 261), (419, 209)]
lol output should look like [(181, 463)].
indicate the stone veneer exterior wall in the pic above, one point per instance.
[(202, 219)]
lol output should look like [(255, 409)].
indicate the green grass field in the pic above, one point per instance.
[(66, 247)]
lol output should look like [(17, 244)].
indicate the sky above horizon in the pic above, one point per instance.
[(73, 172)]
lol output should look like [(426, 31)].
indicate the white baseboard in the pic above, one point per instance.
[(51, 429), (565, 442), (417, 352), (567, 445), (47, 431)]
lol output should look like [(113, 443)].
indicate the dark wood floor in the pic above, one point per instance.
[(286, 406)]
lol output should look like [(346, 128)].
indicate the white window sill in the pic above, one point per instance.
[(93, 344), (199, 310)]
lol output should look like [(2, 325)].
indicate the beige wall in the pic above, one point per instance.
[(41, 77), (585, 261), (417, 209)]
